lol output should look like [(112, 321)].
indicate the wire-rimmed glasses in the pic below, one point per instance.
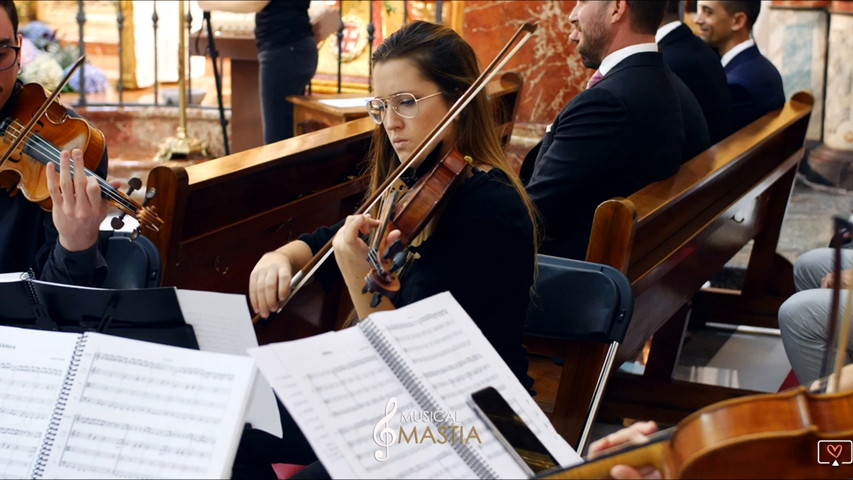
[(405, 104), (8, 56)]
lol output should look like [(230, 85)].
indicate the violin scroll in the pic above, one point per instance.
[(147, 216)]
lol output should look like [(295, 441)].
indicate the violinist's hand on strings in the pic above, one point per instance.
[(636, 433), (351, 256), (350, 249), (78, 208)]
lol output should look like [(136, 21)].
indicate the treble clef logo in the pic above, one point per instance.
[(382, 434)]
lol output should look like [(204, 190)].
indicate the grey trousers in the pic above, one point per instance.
[(804, 318)]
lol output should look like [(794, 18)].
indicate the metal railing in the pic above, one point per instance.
[(120, 25)]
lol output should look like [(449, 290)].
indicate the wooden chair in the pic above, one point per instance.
[(672, 236)]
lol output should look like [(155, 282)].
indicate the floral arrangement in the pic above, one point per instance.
[(45, 61)]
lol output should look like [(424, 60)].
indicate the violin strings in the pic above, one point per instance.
[(40, 145)]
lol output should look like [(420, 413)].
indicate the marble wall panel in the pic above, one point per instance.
[(797, 46), (838, 120), (551, 68)]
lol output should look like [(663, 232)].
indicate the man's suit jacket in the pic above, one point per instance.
[(698, 66), (610, 140), (755, 85)]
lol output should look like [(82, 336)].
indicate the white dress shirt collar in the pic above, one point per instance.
[(614, 58), (734, 51), (665, 29)]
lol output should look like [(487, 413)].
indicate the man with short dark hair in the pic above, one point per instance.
[(755, 84), (62, 245), (632, 126), (698, 66)]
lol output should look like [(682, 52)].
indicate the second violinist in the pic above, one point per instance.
[(61, 245), (481, 246)]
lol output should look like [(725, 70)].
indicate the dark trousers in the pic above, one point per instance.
[(284, 70)]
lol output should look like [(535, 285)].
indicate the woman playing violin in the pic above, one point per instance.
[(60, 246), (480, 247)]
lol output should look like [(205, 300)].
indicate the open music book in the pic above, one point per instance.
[(389, 398), (99, 406), (220, 322)]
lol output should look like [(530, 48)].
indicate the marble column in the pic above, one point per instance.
[(797, 47), (834, 159), (549, 63)]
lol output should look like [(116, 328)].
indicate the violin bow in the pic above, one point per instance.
[(43, 108), (427, 144)]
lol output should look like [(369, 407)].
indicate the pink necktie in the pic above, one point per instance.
[(594, 79)]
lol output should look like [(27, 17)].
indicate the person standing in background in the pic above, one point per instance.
[(287, 54)]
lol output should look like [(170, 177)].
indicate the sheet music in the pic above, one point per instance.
[(12, 277), (337, 388), (138, 409), (345, 102), (441, 342), (30, 382), (222, 324)]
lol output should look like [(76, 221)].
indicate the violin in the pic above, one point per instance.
[(427, 145), (793, 434), (410, 216), (30, 151)]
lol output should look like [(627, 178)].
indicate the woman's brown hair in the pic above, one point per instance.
[(444, 58)]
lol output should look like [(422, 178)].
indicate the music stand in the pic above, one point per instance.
[(214, 54)]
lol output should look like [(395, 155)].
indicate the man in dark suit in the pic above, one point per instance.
[(698, 66), (755, 84), (617, 136)]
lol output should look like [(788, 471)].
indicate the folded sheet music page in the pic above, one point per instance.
[(30, 381), (142, 410), (222, 324), (388, 399)]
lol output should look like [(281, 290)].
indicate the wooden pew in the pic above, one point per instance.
[(670, 238), (221, 216)]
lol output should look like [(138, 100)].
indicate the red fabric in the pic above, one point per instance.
[(286, 470), (790, 382)]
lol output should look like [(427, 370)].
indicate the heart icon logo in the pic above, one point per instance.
[(834, 450)]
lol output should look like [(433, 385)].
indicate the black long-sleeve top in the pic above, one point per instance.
[(482, 251)]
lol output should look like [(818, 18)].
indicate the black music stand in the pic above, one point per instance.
[(148, 314), (214, 54)]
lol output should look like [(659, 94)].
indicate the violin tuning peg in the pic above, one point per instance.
[(117, 222), (134, 234), (149, 194), (365, 289), (374, 302), (393, 249), (135, 183), (399, 260)]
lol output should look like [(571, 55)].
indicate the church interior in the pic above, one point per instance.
[(175, 90)]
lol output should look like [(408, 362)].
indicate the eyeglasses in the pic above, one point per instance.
[(405, 104), (8, 56)]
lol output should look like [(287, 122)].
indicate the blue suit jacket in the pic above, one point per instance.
[(755, 85), (609, 141), (698, 66)]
